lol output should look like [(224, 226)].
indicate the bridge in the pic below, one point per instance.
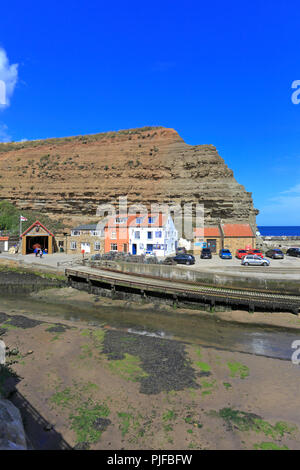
[(180, 291)]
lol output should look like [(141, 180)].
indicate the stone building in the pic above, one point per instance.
[(88, 238), (238, 236), (231, 236), (207, 237)]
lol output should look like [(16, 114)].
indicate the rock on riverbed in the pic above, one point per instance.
[(12, 435)]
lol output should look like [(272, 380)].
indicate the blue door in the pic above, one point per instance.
[(134, 248)]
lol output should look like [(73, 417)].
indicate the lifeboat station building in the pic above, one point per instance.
[(37, 236)]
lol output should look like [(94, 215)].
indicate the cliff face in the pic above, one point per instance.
[(68, 178)]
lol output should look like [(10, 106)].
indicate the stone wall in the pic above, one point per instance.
[(218, 279)]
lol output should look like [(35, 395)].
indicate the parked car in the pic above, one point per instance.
[(254, 260), (275, 254), (225, 254), (241, 253), (256, 252), (206, 253), (293, 252), (184, 259), (169, 260), (96, 257)]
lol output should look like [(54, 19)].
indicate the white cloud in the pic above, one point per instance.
[(283, 209), (4, 136), (8, 75), (293, 190), (8, 81)]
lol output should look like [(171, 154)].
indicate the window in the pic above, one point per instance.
[(95, 233), (97, 246), (113, 247), (149, 235), (121, 220), (113, 235), (158, 234), (151, 220), (61, 243), (73, 245), (139, 220), (137, 235), (75, 232)]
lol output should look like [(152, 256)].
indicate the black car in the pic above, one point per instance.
[(184, 259), (275, 254), (206, 253), (293, 252)]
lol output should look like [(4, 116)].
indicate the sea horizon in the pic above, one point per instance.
[(279, 230)]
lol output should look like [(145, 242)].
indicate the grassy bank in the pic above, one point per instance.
[(10, 266)]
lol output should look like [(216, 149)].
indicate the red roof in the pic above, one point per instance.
[(207, 232), (237, 230), (159, 220), (113, 221), (36, 223)]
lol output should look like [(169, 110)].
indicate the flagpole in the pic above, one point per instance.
[(20, 231)]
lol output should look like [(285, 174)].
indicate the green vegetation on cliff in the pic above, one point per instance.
[(10, 217)]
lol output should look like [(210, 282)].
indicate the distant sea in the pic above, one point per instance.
[(279, 231)]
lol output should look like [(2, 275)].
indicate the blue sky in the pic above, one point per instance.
[(218, 72)]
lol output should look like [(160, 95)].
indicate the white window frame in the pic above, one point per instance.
[(95, 233)]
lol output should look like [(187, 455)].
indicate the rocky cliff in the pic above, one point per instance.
[(69, 177)]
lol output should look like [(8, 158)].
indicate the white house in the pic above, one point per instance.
[(153, 233)]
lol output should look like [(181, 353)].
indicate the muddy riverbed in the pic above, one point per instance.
[(96, 373)]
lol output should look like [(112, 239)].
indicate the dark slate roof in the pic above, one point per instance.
[(90, 227), (86, 227)]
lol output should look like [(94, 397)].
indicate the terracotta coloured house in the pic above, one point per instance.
[(117, 234)]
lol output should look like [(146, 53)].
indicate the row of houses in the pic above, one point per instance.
[(136, 234)]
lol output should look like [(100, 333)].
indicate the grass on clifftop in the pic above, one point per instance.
[(13, 146)]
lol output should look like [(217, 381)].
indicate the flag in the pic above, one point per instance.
[(23, 219)]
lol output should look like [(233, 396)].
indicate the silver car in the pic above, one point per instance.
[(254, 260)]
